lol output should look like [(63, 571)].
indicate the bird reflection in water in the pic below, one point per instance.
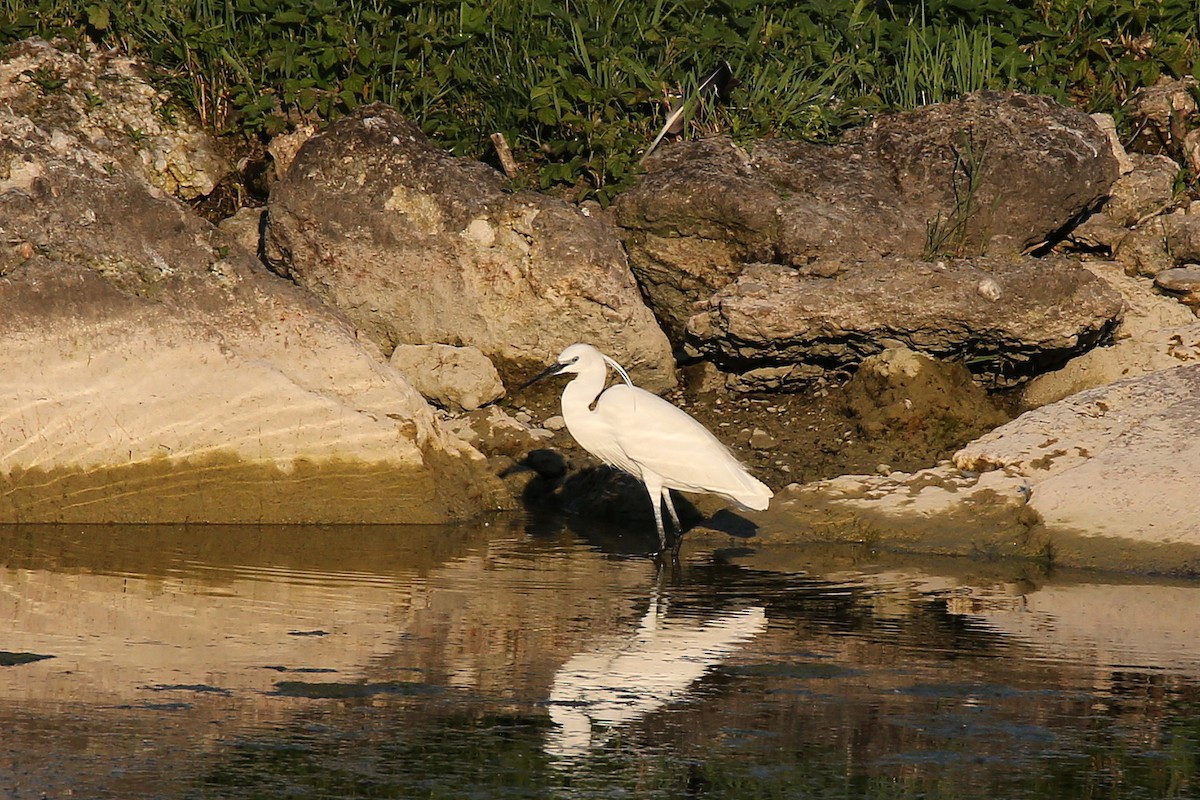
[(623, 678)]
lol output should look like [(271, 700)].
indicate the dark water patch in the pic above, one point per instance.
[(198, 688), (14, 659), (305, 670), (348, 691)]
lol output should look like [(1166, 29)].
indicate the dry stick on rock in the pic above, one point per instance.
[(507, 163)]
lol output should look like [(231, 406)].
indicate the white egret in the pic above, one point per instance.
[(644, 435)]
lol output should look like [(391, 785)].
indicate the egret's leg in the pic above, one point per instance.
[(654, 489), (666, 494)]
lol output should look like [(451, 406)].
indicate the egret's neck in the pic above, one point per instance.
[(581, 392)]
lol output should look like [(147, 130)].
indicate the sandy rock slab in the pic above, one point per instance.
[(155, 371), (1106, 479), (115, 408)]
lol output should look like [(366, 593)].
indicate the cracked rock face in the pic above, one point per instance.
[(419, 247), (101, 110), (1007, 318)]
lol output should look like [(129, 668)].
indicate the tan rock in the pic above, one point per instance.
[(416, 246), (456, 378)]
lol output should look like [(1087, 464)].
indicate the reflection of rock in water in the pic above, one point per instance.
[(625, 677)]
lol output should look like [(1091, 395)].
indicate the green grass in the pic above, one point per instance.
[(579, 87)]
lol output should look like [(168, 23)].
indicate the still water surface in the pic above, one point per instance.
[(496, 661)]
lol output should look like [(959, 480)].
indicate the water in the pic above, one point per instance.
[(490, 661)]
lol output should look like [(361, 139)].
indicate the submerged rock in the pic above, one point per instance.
[(419, 247)]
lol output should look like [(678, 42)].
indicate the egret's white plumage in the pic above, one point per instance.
[(644, 435)]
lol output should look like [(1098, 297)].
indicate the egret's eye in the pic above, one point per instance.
[(570, 362)]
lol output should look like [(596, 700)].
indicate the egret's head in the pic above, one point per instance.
[(577, 358)]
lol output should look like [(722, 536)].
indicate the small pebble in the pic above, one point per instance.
[(988, 289), (523, 417), (761, 440), (555, 423)]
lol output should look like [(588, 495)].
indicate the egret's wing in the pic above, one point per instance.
[(653, 435)]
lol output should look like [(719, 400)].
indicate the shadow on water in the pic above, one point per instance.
[(522, 658)]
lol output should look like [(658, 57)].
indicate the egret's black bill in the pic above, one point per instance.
[(548, 372)]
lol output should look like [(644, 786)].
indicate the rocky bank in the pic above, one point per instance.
[(964, 329)]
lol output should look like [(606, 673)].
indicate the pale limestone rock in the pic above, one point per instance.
[(1107, 478), (416, 246), (1117, 461), (455, 378), (156, 372)]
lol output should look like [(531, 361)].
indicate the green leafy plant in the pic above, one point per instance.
[(577, 88)]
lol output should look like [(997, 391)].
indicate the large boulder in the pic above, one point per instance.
[(1006, 317), (988, 173), (419, 247), (157, 372)]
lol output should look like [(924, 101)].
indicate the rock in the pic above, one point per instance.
[(100, 108), (906, 395), (1104, 479), (1143, 251), (245, 227), (761, 440), (1147, 190), (455, 378), (555, 423), (1161, 243), (1160, 113), (1182, 280), (284, 147), (777, 325), (418, 247), (1191, 150), (1113, 463), (1183, 235), (495, 433), (1108, 125), (897, 188), (157, 372), (1127, 358), (1146, 311), (1155, 333)]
